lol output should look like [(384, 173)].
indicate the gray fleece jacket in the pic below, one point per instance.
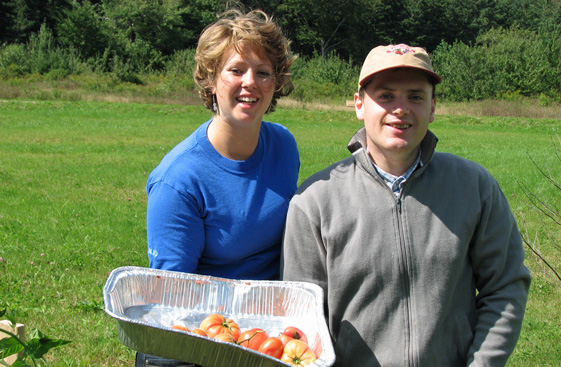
[(433, 278)]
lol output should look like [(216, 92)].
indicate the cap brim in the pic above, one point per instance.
[(435, 77)]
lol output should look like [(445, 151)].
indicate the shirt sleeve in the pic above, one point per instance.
[(304, 255), (502, 282), (175, 230)]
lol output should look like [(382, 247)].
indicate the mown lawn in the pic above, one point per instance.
[(72, 207)]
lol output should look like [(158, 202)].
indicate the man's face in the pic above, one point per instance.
[(397, 107)]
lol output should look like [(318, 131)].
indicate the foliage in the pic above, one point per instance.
[(81, 29), (33, 349), (40, 55), (25, 17), (502, 62), (483, 48), (348, 27), (319, 78)]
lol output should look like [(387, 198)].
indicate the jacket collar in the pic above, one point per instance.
[(428, 144)]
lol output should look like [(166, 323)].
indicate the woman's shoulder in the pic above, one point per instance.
[(277, 129), (185, 157)]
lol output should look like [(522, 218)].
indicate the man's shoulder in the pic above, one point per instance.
[(332, 176), (456, 162)]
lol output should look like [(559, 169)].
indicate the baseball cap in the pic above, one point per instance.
[(396, 56)]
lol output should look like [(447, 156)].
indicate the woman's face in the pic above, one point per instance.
[(244, 87)]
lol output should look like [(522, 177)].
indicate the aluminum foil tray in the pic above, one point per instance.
[(146, 302)]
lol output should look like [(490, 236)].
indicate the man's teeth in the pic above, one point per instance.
[(400, 126), (247, 99)]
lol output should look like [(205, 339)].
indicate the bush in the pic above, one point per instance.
[(10, 72), (179, 70), (502, 63), (14, 54), (320, 78)]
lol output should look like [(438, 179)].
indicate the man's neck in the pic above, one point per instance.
[(395, 164)]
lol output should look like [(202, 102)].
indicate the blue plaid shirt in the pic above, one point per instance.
[(395, 183)]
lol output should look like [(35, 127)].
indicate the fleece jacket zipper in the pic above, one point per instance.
[(404, 264)]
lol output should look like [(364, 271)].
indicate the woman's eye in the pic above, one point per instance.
[(264, 74), (236, 71)]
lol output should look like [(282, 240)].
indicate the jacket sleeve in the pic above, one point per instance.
[(304, 255), (502, 282)]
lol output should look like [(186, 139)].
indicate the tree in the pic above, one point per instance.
[(322, 29), (197, 14), (81, 28), (25, 17)]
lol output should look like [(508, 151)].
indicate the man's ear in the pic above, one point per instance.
[(432, 110), (359, 107)]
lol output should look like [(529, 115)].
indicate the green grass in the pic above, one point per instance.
[(73, 201)]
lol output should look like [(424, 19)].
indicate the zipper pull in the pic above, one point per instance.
[(398, 203)]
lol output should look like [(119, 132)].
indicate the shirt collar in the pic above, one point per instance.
[(395, 183)]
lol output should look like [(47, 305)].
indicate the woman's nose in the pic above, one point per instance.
[(248, 79)]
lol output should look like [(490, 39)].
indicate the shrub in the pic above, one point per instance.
[(501, 63), (10, 72), (320, 78), (179, 70), (14, 54)]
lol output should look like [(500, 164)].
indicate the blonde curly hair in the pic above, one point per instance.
[(232, 31)]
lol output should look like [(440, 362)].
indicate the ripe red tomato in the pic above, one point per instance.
[(298, 353), (272, 346), (225, 338), (180, 327), (252, 338), (292, 332), (199, 332), (217, 324)]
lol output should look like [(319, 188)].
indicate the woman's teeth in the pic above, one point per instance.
[(247, 99)]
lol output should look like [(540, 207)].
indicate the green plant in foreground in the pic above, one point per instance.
[(33, 350)]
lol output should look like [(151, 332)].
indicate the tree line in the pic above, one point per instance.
[(140, 36)]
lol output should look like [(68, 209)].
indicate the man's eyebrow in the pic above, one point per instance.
[(411, 90), (417, 90)]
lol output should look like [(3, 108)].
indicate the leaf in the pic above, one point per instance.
[(2, 312), (9, 346), (20, 363), (38, 347)]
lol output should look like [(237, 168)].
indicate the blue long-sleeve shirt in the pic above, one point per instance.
[(211, 215)]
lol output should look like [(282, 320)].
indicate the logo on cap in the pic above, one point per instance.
[(400, 49)]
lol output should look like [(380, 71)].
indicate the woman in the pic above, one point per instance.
[(217, 202)]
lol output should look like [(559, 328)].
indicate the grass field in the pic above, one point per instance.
[(72, 207)]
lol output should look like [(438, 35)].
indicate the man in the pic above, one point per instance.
[(417, 251)]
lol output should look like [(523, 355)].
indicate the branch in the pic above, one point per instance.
[(542, 258)]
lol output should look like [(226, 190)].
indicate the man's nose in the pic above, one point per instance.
[(400, 107)]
